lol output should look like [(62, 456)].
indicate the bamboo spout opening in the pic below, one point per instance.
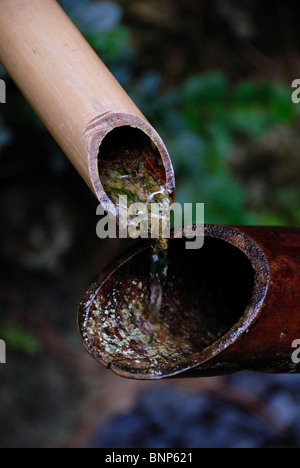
[(121, 145), (212, 297), (130, 164)]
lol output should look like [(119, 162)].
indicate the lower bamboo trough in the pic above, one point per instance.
[(236, 305)]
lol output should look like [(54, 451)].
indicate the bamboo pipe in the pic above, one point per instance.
[(235, 302), (69, 87)]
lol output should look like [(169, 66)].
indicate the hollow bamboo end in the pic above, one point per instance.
[(106, 126)]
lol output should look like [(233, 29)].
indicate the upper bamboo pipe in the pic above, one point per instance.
[(67, 84)]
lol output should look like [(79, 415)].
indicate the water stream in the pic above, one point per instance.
[(133, 178)]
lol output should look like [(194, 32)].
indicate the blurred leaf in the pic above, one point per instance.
[(252, 120), (208, 88), (109, 44), (20, 339)]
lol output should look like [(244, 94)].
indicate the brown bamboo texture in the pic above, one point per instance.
[(262, 340), (67, 84)]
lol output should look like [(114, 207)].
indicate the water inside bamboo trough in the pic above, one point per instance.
[(207, 292)]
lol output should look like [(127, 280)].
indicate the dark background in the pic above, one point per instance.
[(214, 79)]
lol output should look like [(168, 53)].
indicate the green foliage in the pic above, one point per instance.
[(19, 339), (110, 44), (225, 114), (202, 122)]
